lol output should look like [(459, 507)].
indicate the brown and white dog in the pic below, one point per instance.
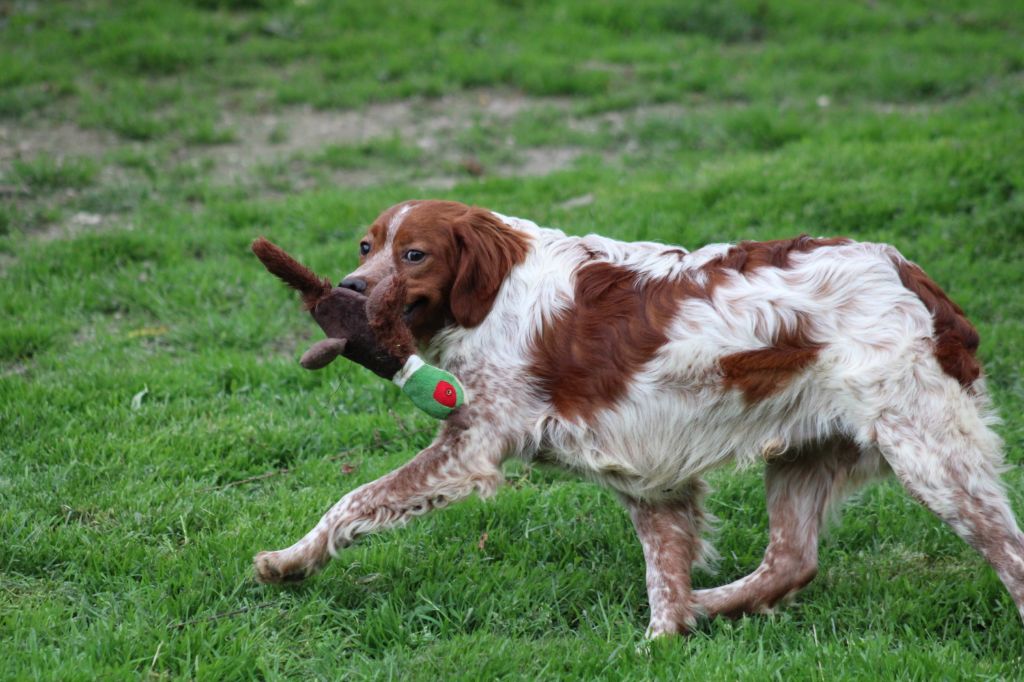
[(642, 366)]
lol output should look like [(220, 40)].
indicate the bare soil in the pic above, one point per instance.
[(279, 139)]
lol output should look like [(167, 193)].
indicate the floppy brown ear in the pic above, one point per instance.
[(488, 250)]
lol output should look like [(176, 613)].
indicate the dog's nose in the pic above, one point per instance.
[(354, 283)]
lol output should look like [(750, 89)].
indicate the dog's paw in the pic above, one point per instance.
[(272, 569)]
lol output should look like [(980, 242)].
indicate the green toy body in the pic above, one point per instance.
[(432, 389)]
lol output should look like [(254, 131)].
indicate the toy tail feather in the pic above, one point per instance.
[(292, 272)]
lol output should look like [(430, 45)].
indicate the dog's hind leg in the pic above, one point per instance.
[(459, 463), (669, 532), (801, 486), (948, 459)]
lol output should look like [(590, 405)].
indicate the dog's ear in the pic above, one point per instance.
[(488, 250), (384, 309)]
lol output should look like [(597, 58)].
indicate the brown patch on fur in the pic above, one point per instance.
[(293, 273), (586, 356), (747, 256), (760, 373), (469, 255), (956, 340), (592, 254)]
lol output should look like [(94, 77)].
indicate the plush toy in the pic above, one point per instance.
[(366, 330)]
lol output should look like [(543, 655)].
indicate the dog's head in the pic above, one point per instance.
[(453, 259)]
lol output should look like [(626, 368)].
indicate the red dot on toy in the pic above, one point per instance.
[(444, 393)]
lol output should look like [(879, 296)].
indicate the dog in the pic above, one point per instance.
[(641, 366)]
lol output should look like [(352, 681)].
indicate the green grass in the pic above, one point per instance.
[(148, 363), (44, 173)]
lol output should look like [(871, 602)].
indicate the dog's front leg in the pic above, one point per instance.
[(459, 462), (669, 532)]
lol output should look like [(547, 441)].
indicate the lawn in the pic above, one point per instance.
[(156, 429)]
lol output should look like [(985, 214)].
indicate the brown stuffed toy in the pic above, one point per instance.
[(367, 330)]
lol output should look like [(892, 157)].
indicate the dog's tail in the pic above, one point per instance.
[(956, 339), (296, 275)]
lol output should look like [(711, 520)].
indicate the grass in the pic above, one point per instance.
[(45, 173), (148, 364)]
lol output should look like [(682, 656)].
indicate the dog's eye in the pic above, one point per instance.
[(414, 256), (364, 248)]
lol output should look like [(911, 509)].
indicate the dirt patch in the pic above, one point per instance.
[(15, 369), (277, 136), (421, 120), (430, 125), (78, 223), (277, 152), (59, 140), (543, 161), (617, 121), (6, 261)]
